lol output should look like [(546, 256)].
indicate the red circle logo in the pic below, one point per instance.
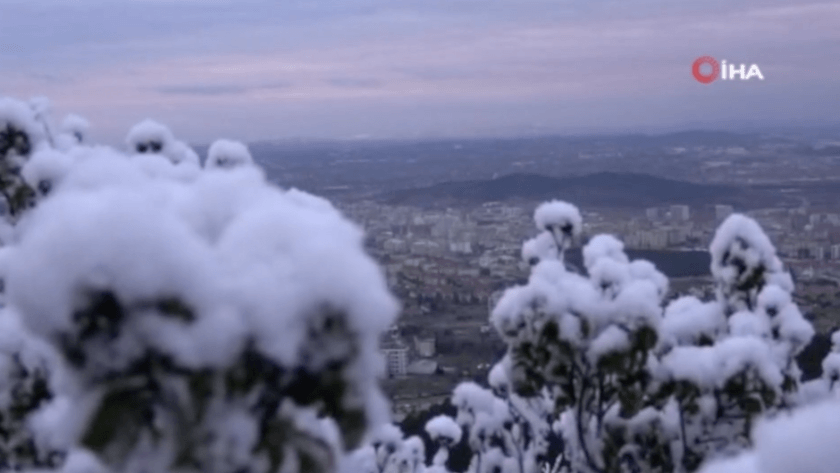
[(705, 78)]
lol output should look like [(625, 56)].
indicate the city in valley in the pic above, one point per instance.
[(446, 219)]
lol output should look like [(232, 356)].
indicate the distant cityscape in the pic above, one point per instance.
[(443, 263), (449, 247)]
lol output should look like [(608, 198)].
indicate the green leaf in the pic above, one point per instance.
[(272, 441), (750, 405), (174, 308), (691, 460), (789, 385), (631, 402), (644, 338), (612, 362), (692, 408), (117, 424)]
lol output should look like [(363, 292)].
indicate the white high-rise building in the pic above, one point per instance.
[(680, 213), (396, 358)]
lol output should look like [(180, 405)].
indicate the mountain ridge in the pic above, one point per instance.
[(607, 188)]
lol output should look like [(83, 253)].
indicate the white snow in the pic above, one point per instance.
[(541, 247), (558, 213), (603, 247), (497, 378), (45, 170), (151, 137), (710, 367), (561, 219), (225, 154), (443, 427), (743, 238), (387, 434), (805, 441), (611, 340), (687, 319), (75, 126), (22, 117), (643, 269), (745, 463), (743, 258), (746, 323), (193, 265)]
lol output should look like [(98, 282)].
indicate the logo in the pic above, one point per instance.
[(713, 70)]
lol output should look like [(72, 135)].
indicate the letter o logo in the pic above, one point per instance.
[(703, 78)]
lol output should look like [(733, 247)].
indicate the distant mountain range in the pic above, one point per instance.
[(615, 190), (609, 189), (681, 138), (697, 137), (433, 148)]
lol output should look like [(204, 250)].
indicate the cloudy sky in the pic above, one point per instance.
[(264, 69)]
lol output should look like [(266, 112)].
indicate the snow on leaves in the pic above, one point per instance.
[(191, 309)]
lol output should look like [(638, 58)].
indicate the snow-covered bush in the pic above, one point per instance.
[(76, 127), (21, 135), (562, 221), (227, 154), (636, 385), (727, 362), (27, 371), (506, 434), (522, 437), (151, 137), (388, 452), (445, 432), (201, 321)]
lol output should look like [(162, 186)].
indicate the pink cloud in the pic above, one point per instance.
[(561, 61)]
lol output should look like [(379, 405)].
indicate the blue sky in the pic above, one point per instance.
[(264, 69)]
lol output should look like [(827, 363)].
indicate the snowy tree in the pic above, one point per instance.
[(388, 452), (21, 135), (75, 126), (27, 369), (27, 365), (226, 154), (445, 433), (506, 430), (484, 418), (199, 321), (152, 138), (729, 361), (506, 434), (637, 386)]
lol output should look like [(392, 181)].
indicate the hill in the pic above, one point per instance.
[(594, 190)]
